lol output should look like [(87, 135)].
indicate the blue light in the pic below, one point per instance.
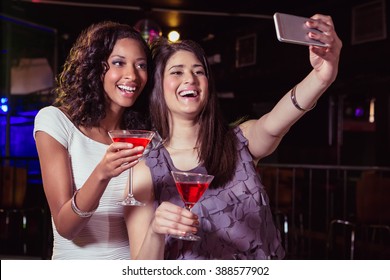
[(4, 104)]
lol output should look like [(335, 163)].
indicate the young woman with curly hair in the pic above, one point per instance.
[(106, 71)]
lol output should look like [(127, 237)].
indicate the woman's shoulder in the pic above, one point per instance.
[(53, 121), (50, 111), (242, 130), (244, 126), (53, 114)]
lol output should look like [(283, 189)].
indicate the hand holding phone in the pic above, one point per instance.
[(292, 29)]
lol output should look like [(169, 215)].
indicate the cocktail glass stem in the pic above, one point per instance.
[(130, 199)]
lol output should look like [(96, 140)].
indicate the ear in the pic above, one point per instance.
[(105, 69)]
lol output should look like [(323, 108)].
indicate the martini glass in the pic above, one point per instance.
[(191, 187), (137, 138)]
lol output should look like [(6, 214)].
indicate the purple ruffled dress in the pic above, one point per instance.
[(235, 221)]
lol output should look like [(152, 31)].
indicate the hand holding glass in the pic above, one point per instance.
[(137, 138), (191, 187)]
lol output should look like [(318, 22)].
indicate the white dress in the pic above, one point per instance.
[(105, 235)]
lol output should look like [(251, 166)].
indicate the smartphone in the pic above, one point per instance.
[(292, 29)]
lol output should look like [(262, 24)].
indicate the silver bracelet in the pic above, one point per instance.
[(294, 101), (75, 209)]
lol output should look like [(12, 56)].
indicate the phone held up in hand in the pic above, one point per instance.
[(292, 29)]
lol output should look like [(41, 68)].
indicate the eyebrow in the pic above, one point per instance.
[(123, 57), (182, 66), (117, 55)]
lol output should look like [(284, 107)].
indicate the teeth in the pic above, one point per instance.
[(126, 88), (191, 93)]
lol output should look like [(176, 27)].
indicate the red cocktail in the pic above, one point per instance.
[(135, 141), (191, 187), (191, 192)]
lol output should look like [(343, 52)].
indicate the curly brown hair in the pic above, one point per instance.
[(80, 91)]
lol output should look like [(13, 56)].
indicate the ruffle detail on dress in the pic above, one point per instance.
[(212, 205), (159, 168)]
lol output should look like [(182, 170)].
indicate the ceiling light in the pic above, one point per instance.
[(173, 36)]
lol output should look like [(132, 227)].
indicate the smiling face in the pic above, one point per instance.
[(126, 75), (185, 84)]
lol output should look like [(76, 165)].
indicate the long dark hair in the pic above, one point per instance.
[(216, 138), (80, 91)]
